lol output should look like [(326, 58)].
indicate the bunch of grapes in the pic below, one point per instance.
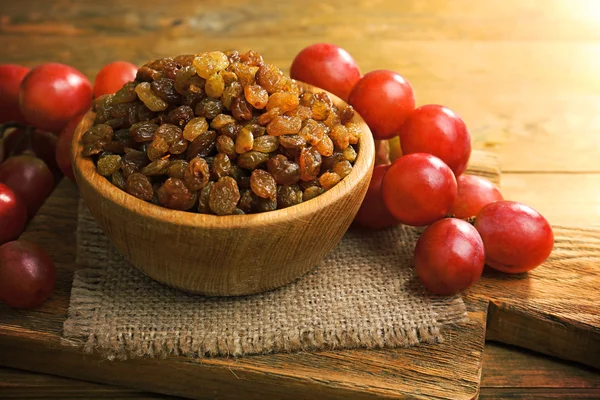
[(468, 222), (39, 110)]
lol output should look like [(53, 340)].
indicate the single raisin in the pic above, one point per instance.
[(340, 136), (165, 89), (108, 165), (310, 163), (139, 186), (267, 117), (246, 73), (329, 180), (215, 85), (175, 195), (252, 58), (126, 94), (270, 78), (132, 161), (180, 116), (354, 132), (284, 171), (302, 112), (221, 166), (158, 167), (312, 192), (231, 92), (179, 147), (149, 98), (176, 168), (194, 128), (204, 198), (244, 141), (283, 125), (263, 205), (346, 115), (252, 159), (118, 180), (197, 174), (312, 131), (325, 146), (224, 196), (256, 96), (143, 131), (342, 168), (183, 79), (288, 195), (240, 109), (207, 64), (292, 141), (245, 203), (221, 120), (169, 132), (157, 148), (226, 145), (266, 143), (263, 184), (203, 145), (285, 101), (350, 154)]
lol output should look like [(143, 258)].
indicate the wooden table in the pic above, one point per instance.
[(524, 76)]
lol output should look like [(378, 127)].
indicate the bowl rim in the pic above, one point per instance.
[(85, 172)]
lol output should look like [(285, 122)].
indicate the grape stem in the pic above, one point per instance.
[(7, 125)]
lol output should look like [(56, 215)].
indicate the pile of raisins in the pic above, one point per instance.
[(220, 133)]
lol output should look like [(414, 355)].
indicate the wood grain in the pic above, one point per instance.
[(227, 255)]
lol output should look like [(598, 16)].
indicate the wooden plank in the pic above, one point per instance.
[(523, 90), (564, 199), (31, 340)]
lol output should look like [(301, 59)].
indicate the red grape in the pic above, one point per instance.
[(113, 76), (328, 67), (27, 274), (437, 130), (30, 178), (41, 143), (373, 214), (384, 99), (516, 237), (52, 94), (10, 79), (419, 189), (449, 256), (13, 215), (63, 148), (474, 192)]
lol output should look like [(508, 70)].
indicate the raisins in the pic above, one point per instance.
[(204, 198), (158, 167), (196, 174), (221, 166), (194, 128), (252, 159), (240, 109), (209, 63), (203, 145), (256, 96), (224, 196), (165, 89), (244, 141), (149, 98), (226, 145), (329, 180), (342, 168), (292, 141), (270, 78), (108, 165), (263, 184), (222, 130), (139, 186), (180, 116), (289, 195), (284, 101), (285, 172), (142, 131), (215, 85), (266, 144), (175, 195), (312, 192), (284, 125), (310, 163)]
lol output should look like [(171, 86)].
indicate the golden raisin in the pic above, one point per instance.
[(283, 125), (329, 180), (244, 141)]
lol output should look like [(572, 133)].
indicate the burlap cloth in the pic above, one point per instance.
[(364, 295)]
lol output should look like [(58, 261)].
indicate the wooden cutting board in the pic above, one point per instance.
[(553, 310)]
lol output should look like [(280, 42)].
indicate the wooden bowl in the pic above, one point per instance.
[(224, 255)]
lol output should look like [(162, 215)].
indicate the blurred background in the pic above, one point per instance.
[(522, 74)]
